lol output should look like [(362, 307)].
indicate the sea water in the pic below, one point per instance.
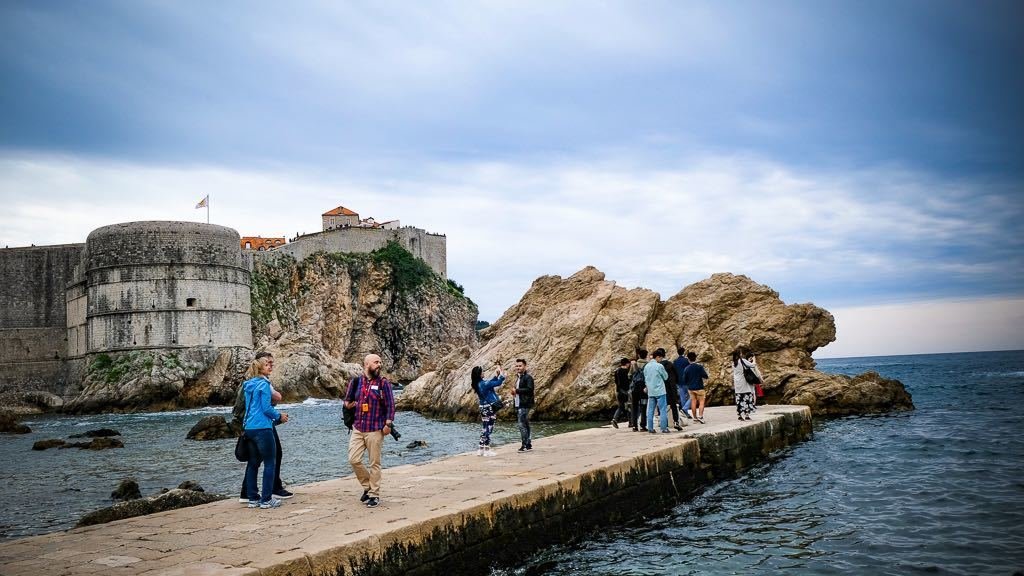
[(939, 490)]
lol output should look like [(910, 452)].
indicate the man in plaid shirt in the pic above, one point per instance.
[(371, 397)]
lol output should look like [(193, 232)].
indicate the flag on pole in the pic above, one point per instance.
[(204, 203)]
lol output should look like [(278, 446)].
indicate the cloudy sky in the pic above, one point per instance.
[(865, 156)]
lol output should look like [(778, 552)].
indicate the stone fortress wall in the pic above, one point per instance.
[(431, 248), (33, 328)]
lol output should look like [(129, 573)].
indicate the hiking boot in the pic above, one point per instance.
[(283, 494), (272, 503), (365, 496), (373, 502)]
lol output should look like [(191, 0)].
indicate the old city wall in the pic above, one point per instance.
[(431, 248), (33, 314)]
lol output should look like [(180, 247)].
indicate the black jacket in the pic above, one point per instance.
[(622, 381), (670, 384), (524, 389)]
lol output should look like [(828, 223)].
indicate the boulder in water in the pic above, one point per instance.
[(51, 443), (417, 444), (9, 424), (141, 506), (99, 433), (191, 485), (212, 428), (96, 444), (128, 489)]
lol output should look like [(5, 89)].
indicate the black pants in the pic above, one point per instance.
[(636, 401), (621, 410), (277, 469)]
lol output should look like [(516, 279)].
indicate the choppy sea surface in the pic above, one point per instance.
[(939, 490)]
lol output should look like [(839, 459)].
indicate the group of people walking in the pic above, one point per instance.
[(644, 386)]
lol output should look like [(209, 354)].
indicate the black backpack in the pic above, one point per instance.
[(637, 382), (348, 415)]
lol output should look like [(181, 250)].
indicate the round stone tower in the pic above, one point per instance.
[(165, 285)]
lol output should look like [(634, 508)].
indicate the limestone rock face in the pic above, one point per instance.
[(572, 331), (331, 309)]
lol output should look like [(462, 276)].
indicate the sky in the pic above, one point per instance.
[(864, 156)]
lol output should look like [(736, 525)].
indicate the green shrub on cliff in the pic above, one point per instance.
[(407, 271)]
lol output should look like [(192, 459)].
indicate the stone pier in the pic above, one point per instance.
[(449, 516)]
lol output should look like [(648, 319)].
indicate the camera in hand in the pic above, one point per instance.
[(394, 432)]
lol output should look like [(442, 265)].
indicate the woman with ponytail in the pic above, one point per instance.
[(260, 419), (487, 396)]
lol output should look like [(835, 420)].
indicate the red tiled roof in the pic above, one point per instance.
[(340, 211)]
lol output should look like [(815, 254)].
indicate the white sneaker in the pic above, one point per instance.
[(480, 452), (243, 500), (490, 452)]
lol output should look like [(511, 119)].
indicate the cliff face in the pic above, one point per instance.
[(318, 317), (341, 307), (573, 330)]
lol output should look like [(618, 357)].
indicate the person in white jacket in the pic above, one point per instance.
[(744, 389)]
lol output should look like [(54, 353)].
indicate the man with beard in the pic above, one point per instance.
[(374, 404)]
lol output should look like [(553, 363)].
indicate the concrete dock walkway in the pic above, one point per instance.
[(452, 515)]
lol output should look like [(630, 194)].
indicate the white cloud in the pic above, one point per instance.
[(833, 237), (928, 327)]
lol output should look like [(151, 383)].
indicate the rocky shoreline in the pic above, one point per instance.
[(320, 315)]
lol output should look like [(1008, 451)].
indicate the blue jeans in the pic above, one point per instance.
[(662, 402), (267, 455), (684, 395), (524, 427)]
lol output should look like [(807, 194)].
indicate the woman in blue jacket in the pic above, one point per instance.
[(487, 396), (260, 418)]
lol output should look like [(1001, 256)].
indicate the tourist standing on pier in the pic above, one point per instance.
[(655, 377), (524, 402), (744, 390), (238, 422), (680, 364), (672, 391), (621, 392), (638, 391), (260, 419), (375, 413), (488, 398), (694, 377)]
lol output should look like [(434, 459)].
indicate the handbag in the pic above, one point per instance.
[(497, 405), (758, 390), (749, 375), (242, 448)]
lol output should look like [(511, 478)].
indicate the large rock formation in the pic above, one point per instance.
[(574, 330)]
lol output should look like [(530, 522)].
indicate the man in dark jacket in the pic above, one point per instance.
[(524, 402), (621, 391), (671, 388)]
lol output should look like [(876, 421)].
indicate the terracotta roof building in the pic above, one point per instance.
[(339, 217), (259, 243)]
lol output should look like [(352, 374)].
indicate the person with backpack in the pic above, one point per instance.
[(744, 377), (638, 392), (374, 403), (238, 423), (489, 404), (260, 419), (621, 392)]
